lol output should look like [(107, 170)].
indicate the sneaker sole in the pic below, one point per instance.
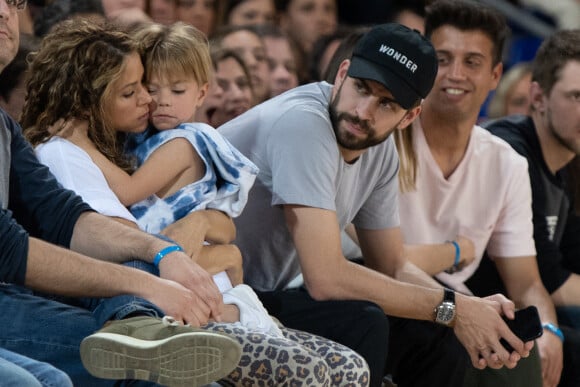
[(188, 359)]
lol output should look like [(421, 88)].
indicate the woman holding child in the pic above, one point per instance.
[(86, 94)]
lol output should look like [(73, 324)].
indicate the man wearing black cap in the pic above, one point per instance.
[(326, 159)]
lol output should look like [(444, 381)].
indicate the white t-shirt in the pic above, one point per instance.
[(75, 170), (487, 199)]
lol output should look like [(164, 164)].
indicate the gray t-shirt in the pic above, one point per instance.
[(291, 140)]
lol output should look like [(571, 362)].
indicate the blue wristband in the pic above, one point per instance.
[(455, 266), (457, 252), (554, 329), (163, 252)]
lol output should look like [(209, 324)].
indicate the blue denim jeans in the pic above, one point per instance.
[(118, 308), (50, 330), (20, 371)]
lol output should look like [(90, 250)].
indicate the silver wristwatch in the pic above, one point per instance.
[(445, 311)]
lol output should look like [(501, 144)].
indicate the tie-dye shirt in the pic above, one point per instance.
[(229, 175)]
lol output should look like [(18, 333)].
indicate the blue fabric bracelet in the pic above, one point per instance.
[(455, 267), (555, 330), (163, 252), (457, 252)]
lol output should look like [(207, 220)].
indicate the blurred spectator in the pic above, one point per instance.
[(249, 46), (323, 50), (162, 11), (230, 93), (344, 51), (512, 95), (306, 20), (13, 78), (282, 59), (125, 11), (350, 12), (248, 12), (566, 13), (410, 13), (59, 10), (201, 14)]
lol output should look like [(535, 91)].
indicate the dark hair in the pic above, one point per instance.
[(343, 51), (275, 32), (219, 55), (226, 9), (59, 10), (468, 16), (319, 48), (282, 5), (218, 36), (415, 6), (71, 77), (554, 53)]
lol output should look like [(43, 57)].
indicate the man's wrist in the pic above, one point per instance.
[(161, 247), (554, 329), (445, 312), (163, 252)]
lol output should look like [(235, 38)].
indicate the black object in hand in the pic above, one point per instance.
[(526, 325)]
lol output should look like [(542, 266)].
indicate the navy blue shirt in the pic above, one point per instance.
[(37, 204)]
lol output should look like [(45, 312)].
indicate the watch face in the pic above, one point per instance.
[(445, 313)]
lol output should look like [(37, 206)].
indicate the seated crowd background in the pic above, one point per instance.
[(259, 50)]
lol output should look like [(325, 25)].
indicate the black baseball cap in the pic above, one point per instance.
[(399, 58)]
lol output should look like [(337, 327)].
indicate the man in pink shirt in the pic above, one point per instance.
[(464, 190)]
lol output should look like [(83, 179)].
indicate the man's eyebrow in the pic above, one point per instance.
[(380, 92), (467, 54)]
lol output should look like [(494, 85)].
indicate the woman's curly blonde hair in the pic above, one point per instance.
[(71, 77)]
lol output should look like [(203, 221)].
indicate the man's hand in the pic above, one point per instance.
[(479, 327), (178, 302), (178, 267), (551, 353)]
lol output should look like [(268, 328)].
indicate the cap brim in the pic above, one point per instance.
[(364, 69)]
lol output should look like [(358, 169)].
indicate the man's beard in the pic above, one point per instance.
[(348, 140), (568, 144)]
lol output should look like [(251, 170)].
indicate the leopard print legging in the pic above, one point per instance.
[(297, 359)]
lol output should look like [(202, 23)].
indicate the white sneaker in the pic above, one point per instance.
[(253, 315)]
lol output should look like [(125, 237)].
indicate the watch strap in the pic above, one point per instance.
[(449, 295)]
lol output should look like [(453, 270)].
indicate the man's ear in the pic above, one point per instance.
[(496, 74), (537, 97), (341, 73), (409, 117)]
